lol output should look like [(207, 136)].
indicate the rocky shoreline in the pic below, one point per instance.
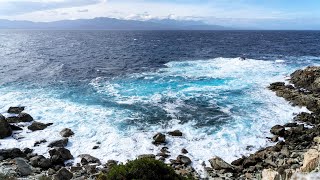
[(296, 150)]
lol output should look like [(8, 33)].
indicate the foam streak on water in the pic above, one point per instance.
[(221, 105)]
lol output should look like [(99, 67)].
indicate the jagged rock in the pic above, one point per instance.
[(278, 130), (22, 117), (184, 160), (40, 161), (159, 138), (66, 132), (59, 143), (152, 156), (307, 78), (5, 129), (311, 160), (15, 110), (87, 159), (23, 168), (11, 153), (36, 126), (219, 164), (59, 155), (175, 133), (238, 162), (63, 174)]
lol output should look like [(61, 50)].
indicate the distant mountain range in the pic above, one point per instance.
[(111, 24)]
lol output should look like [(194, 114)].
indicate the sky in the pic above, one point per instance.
[(286, 14)]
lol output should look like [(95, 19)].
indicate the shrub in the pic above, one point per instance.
[(144, 169)]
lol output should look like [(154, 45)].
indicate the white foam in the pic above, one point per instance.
[(95, 123)]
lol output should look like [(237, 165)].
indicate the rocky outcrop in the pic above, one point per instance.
[(219, 164), (311, 160), (60, 155), (5, 129), (88, 159), (22, 117)]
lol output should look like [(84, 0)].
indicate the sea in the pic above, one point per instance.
[(116, 89)]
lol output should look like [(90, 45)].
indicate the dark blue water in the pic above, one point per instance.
[(119, 88)]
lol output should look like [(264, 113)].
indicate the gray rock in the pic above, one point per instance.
[(59, 143), (152, 156), (5, 129), (87, 159), (159, 138), (66, 132), (184, 151), (278, 130), (219, 164), (60, 155), (184, 160), (23, 168), (175, 133), (36, 126), (63, 174), (15, 110), (22, 117), (40, 161), (11, 153)]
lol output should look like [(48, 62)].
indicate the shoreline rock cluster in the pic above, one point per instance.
[(296, 150)]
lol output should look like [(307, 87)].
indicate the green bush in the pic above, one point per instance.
[(142, 169)]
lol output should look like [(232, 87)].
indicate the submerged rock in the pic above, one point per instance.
[(175, 133), (66, 132), (36, 126), (15, 110), (5, 129)]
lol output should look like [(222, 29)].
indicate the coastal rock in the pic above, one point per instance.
[(311, 160), (23, 168), (11, 153), (22, 117), (5, 129), (278, 130), (60, 155), (184, 151), (15, 128), (88, 159), (184, 160), (40, 161), (307, 78), (15, 110), (159, 138), (36, 126), (63, 174), (219, 164), (59, 143), (66, 132), (175, 133)]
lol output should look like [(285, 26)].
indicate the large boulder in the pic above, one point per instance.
[(11, 153), (59, 143), (184, 160), (36, 126), (66, 132), (23, 168), (63, 174), (15, 110), (60, 155), (175, 133), (5, 129), (219, 164)]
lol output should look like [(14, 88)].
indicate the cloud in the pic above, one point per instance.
[(16, 7)]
